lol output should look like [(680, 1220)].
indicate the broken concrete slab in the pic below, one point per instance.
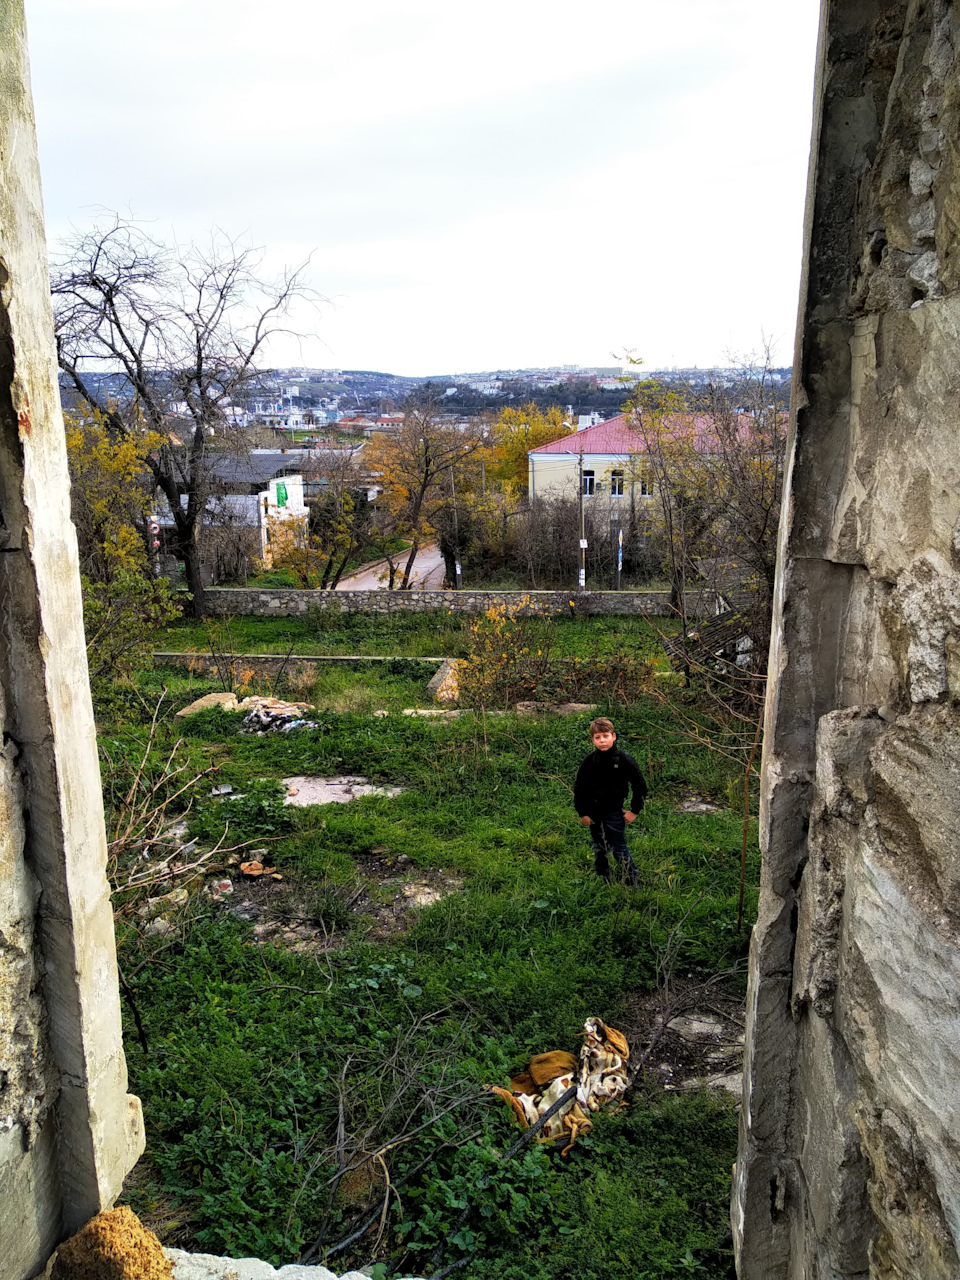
[(230, 702), (227, 701), (445, 685), (698, 804), (692, 1028), (302, 791), (420, 894), (205, 1266)]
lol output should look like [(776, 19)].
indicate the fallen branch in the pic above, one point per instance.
[(527, 1136)]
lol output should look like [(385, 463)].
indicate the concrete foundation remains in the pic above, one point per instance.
[(68, 1130), (849, 1161)]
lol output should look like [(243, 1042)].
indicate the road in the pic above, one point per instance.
[(427, 572)]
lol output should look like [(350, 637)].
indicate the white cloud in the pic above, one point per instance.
[(512, 185)]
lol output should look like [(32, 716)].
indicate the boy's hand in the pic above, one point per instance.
[(628, 816), (586, 822)]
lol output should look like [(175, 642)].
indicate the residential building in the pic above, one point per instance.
[(251, 496), (605, 458)]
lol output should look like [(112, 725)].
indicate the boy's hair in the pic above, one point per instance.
[(601, 725)]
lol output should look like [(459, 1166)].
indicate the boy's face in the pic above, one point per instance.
[(603, 741)]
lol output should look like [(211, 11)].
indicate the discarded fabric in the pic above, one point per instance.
[(600, 1077)]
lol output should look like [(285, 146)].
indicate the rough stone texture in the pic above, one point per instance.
[(115, 1245), (205, 1266), (850, 1131), (68, 1131), (444, 686), (284, 603)]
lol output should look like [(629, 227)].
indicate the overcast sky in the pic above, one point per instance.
[(513, 184)]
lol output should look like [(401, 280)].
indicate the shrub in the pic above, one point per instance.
[(513, 658)]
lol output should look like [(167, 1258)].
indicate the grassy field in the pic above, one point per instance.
[(273, 1064), (408, 635)]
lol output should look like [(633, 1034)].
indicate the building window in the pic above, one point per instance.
[(646, 486), (616, 484), (589, 484)]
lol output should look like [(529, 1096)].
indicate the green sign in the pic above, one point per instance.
[(281, 494)]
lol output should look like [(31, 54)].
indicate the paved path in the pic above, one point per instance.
[(427, 572)]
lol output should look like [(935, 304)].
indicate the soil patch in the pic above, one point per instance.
[(316, 919), (395, 889), (699, 804), (693, 1040)]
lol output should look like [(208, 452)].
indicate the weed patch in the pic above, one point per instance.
[(326, 1101)]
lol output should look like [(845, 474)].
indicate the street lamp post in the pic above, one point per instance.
[(458, 568), (582, 581)]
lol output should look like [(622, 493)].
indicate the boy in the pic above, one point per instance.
[(603, 781)]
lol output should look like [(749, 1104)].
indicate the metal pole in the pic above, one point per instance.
[(456, 534), (583, 542)]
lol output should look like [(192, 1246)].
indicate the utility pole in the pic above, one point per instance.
[(456, 533), (583, 541)]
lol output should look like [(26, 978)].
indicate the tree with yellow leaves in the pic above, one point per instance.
[(316, 552), (111, 498), (515, 432), (418, 468)]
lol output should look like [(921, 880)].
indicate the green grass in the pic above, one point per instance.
[(257, 1055), (358, 687), (412, 635)]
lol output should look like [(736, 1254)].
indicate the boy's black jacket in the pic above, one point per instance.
[(603, 780)]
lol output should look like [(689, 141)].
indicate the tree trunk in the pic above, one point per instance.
[(334, 581), (408, 567), (449, 554), (677, 593), (193, 608)]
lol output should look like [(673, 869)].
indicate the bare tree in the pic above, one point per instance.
[(418, 469), (150, 334), (677, 467), (714, 460), (748, 423)]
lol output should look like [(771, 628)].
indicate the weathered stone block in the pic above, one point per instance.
[(849, 1156)]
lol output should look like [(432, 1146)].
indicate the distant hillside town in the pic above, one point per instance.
[(301, 398), (542, 476)]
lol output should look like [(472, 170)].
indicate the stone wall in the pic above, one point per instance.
[(849, 1161), (68, 1131), (255, 601)]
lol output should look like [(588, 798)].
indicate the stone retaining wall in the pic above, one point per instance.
[(289, 602)]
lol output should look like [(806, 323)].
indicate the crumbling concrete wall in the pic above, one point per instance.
[(68, 1130), (849, 1161)]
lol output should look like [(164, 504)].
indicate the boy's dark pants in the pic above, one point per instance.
[(607, 832)]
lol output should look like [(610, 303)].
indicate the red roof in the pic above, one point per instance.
[(613, 436), (616, 436)]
